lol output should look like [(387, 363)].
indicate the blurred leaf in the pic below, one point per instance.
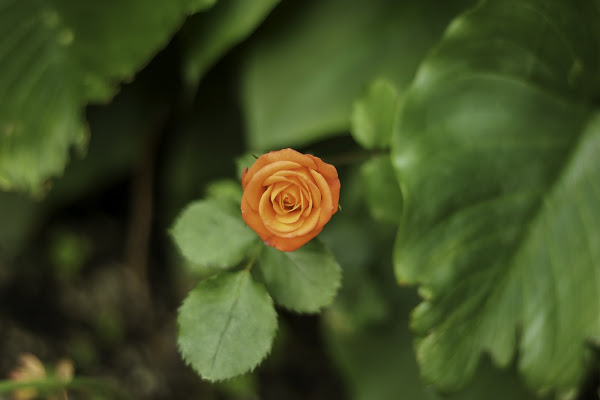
[(19, 216), (131, 119), (240, 387), (374, 115), (378, 363), (110, 326), (108, 45), (195, 155), (302, 76), (225, 189), (501, 179), (245, 161), (366, 329), (68, 252), (304, 280), (226, 325), (381, 190), (363, 248), (213, 233), (54, 58), (365, 306), (209, 35)]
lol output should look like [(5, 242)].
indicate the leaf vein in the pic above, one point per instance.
[(234, 303)]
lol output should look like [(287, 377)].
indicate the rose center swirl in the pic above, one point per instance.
[(289, 206)]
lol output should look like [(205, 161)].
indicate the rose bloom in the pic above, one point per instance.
[(289, 197)]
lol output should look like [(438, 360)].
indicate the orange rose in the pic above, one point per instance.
[(289, 197)]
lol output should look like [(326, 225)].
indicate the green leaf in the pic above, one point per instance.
[(108, 45), (18, 214), (379, 363), (225, 189), (302, 77), (304, 280), (131, 120), (213, 233), (498, 162), (374, 115), (366, 329), (226, 325), (381, 190), (245, 161), (54, 58), (209, 35)]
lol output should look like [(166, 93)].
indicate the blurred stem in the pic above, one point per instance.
[(355, 157), (47, 385), (140, 224)]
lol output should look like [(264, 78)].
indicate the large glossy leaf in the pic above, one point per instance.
[(226, 325), (374, 115), (379, 363), (302, 77), (55, 56), (209, 35), (498, 161), (381, 190), (366, 328)]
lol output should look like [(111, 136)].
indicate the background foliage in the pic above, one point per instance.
[(466, 136)]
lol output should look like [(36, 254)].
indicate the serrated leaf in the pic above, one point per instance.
[(212, 233), (108, 45), (209, 35), (374, 115), (381, 190), (226, 325), (54, 58), (301, 78), (366, 329), (379, 363), (498, 162), (304, 280)]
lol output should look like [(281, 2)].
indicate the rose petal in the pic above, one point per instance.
[(305, 178), (282, 176), (290, 217), (288, 197), (302, 226), (285, 244), (328, 171), (328, 206), (278, 188), (269, 219), (292, 194), (314, 193), (307, 202), (276, 156), (300, 177), (253, 220), (309, 223), (254, 187)]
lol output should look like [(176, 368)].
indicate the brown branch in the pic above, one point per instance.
[(141, 206)]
